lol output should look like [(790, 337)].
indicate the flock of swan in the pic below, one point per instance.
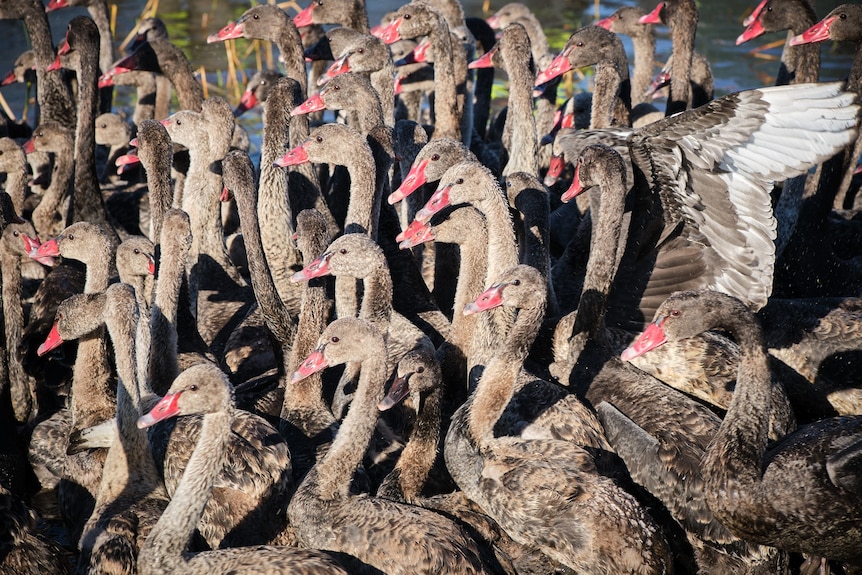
[(595, 338)]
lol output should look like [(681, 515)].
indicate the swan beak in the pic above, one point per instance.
[(49, 249), (754, 30), (558, 67), (29, 146), (304, 18), (340, 66), (653, 17), (313, 363), (411, 182), (313, 104), (605, 22), (415, 234), (167, 407), (225, 195), (435, 203), (390, 34), (652, 337), (126, 160), (31, 246), (397, 392), (229, 32), (151, 265), (493, 22), (661, 80), (490, 298), (554, 170), (8, 79), (858, 170), (246, 103), (484, 62), (755, 13), (319, 267), (127, 64), (52, 342), (817, 33), (55, 65), (56, 5), (576, 188), (293, 157)]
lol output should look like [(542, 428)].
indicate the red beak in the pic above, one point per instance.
[(390, 34), (411, 182), (53, 341), (652, 337), (817, 33), (313, 104), (167, 407), (313, 363), (490, 298), (435, 203), (653, 17), (304, 17), (294, 157), (229, 32), (576, 188)]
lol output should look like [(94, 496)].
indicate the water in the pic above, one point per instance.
[(191, 21)]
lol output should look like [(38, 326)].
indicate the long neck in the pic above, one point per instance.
[(607, 95), (175, 527), (55, 99), (447, 119), (274, 207), (92, 400), (56, 198), (290, 46), (382, 82), (274, 312), (99, 13), (157, 164), (417, 457), (16, 183), (377, 299), (360, 211), (163, 318), (178, 69), (734, 460), (13, 322), (208, 258), (520, 122), (682, 35), (603, 261), (137, 459), (497, 384), (305, 397), (88, 203), (644, 51), (336, 469)]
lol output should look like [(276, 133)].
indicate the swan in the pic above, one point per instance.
[(203, 389), (746, 480), (428, 543), (544, 492)]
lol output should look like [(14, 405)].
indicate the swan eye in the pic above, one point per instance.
[(16, 233), (104, 125), (459, 181), (319, 139), (579, 44), (336, 87), (193, 387), (178, 122), (136, 251), (420, 369), (435, 157), (843, 16), (342, 251), (256, 16), (516, 282), (407, 16), (769, 8), (675, 313), (334, 339), (360, 50), (70, 237)]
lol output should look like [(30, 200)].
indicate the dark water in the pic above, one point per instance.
[(190, 21)]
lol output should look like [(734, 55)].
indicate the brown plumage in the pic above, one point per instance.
[(204, 390), (327, 516)]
